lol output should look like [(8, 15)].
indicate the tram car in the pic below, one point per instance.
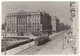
[(41, 39)]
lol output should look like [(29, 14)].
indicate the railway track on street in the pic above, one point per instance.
[(34, 49)]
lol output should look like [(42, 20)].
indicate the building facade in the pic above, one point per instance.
[(23, 21), (61, 26), (55, 24)]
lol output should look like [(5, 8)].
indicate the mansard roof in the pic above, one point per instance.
[(23, 12)]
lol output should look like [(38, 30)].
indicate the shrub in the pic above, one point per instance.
[(36, 33)]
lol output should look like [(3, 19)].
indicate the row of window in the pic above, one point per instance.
[(11, 24), (29, 13), (11, 18), (34, 16), (26, 29), (29, 29), (11, 14), (23, 13), (32, 26), (35, 20), (22, 24), (17, 14), (27, 23), (37, 29)]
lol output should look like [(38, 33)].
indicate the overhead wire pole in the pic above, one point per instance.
[(63, 38), (5, 38), (29, 29)]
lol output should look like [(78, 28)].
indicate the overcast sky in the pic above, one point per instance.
[(58, 9)]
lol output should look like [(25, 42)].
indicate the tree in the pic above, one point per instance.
[(3, 26), (21, 33)]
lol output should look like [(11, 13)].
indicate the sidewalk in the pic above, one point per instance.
[(68, 50)]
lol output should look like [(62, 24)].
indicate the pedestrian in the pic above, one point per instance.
[(68, 41), (74, 50), (65, 37)]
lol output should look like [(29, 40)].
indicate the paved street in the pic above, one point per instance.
[(52, 47)]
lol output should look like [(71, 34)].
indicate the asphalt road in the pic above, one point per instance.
[(35, 49)]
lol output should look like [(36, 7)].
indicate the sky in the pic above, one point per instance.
[(58, 9)]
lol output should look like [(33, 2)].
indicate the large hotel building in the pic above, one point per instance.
[(23, 21)]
